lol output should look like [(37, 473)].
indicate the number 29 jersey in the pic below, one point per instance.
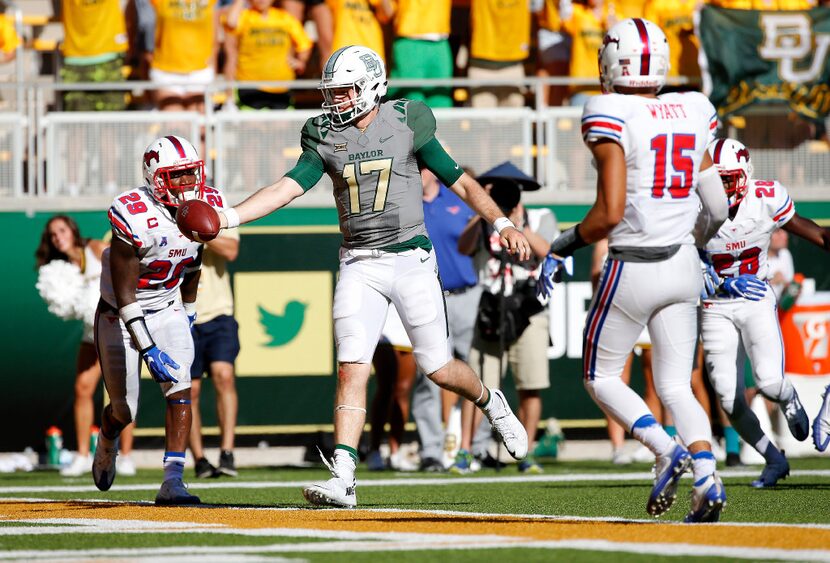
[(741, 244), (664, 139), (165, 255)]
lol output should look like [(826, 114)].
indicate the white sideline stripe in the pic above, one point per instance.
[(400, 482), (671, 549)]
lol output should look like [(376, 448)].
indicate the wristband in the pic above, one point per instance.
[(133, 318), (189, 308), (232, 217), (502, 223), (568, 242)]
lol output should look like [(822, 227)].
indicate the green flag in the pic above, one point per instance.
[(756, 57)]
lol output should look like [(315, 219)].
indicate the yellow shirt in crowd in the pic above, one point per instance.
[(9, 40), (629, 9), (764, 4), (586, 31), (500, 30), (676, 19), (419, 18), (215, 297), (93, 28), (549, 18), (185, 35), (356, 23), (265, 43)]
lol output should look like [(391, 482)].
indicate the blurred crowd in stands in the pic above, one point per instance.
[(183, 45)]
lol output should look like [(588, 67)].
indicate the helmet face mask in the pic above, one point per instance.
[(358, 71), (173, 171), (634, 54), (732, 161)]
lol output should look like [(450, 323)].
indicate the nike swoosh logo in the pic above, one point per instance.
[(384, 139), (424, 259), (456, 167)]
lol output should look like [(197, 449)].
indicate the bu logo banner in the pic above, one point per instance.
[(754, 57)]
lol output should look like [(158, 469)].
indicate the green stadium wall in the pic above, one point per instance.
[(286, 367)]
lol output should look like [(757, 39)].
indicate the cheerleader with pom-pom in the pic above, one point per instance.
[(69, 271)]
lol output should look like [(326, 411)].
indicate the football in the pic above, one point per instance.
[(197, 220)]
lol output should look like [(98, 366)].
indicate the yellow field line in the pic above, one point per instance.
[(772, 536)]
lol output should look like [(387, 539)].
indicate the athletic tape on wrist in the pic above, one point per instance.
[(502, 223), (232, 217), (133, 318), (189, 308)]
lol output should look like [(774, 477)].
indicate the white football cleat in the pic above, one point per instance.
[(80, 464), (796, 417), (334, 492), (708, 500), (103, 464), (174, 492), (507, 426), (821, 424), (667, 472)]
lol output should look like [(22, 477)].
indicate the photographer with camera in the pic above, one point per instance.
[(512, 324)]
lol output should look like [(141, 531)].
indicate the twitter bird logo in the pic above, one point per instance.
[(282, 329)]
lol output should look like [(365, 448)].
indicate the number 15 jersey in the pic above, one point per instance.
[(664, 139)]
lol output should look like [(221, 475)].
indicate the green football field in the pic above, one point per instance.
[(575, 511)]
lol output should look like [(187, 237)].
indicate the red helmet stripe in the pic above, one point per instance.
[(645, 58), (718, 147), (178, 146)]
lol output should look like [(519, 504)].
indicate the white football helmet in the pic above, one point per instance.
[(634, 54), (732, 162), (353, 67), (172, 157)]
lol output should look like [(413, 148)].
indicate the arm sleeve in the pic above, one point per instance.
[(420, 119), (309, 168), (434, 157)]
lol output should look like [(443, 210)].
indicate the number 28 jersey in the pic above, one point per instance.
[(664, 139), (741, 244), (165, 255)]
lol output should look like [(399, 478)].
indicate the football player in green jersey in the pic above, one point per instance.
[(373, 151)]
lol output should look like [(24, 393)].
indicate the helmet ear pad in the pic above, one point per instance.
[(634, 54)]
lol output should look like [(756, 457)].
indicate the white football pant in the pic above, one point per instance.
[(660, 295), (369, 281), (121, 362), (727, 323)]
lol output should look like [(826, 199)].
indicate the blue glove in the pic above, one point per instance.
[(746, 286), (549, 275), (158, 362), (711, 281), (191, 319)]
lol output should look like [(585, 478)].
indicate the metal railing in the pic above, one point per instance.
[(77, 160)]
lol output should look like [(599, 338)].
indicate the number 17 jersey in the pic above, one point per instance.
[(664, 139)]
